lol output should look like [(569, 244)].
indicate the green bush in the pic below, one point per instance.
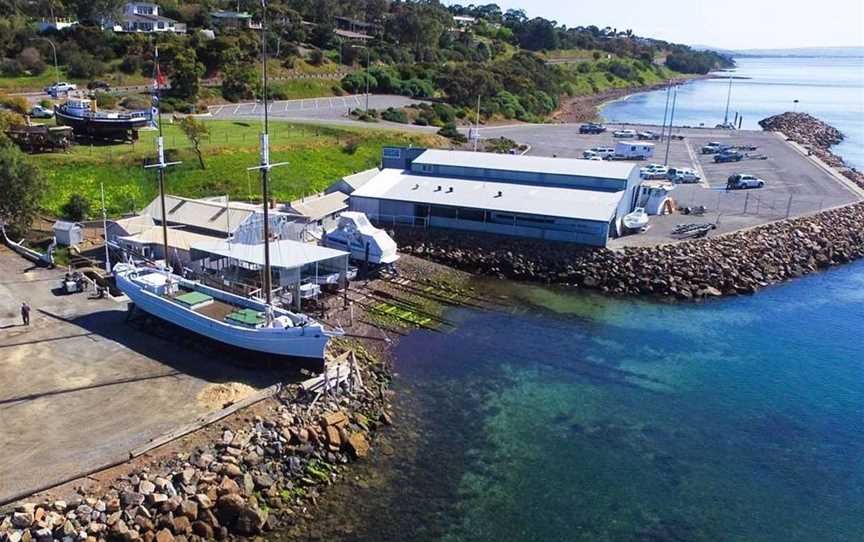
[(77, 208), (47, 104), (31, 61), (337, 90), (420, 121), (11, 67), (84, 65), (106, 101), (395, 115), (136, 102), (450, 131)]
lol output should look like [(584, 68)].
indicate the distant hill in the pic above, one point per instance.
[(800, 52)]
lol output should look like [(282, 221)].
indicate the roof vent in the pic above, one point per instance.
[(438, 189), (416, 186), (449, 189), (499, 194)]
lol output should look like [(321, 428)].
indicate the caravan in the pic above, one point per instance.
[(632, 151)]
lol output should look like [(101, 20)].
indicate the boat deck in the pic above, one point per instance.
[(216, 309)]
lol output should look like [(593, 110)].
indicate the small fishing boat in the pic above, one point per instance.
[(366, 243), (82, 116), (636, 220)]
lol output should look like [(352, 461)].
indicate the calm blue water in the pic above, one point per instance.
[(580, 418), (831, 89)]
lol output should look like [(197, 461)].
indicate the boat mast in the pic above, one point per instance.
[(265, 165), (160, 165), (728, 98)]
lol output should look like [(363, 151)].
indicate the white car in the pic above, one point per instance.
[(61, 87), (603, 152), (741, 181), (591, 155), (39, 112), (683, 175), (653, 171), (624, 134)]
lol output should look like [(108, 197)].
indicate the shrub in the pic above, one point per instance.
[(18, 104), (84, 66), (47, 104), (131, 64), (395, 115), (136, 102), (105, 100), (316, 57), (77, 208), (10, 67), (351, 146), (337, 90), (31, 61), (421, 121), (451, 132)]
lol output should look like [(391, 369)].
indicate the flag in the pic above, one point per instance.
[(158, 78)]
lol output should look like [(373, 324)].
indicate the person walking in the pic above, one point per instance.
[(25, 313)]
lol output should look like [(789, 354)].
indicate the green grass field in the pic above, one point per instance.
[(303, 88), (317, 156)]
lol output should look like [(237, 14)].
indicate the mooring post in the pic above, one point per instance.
[(789, 206)]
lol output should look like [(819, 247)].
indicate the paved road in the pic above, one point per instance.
[(314, 109), (81, 387)]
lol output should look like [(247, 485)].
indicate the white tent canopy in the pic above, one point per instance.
[(284, 253)]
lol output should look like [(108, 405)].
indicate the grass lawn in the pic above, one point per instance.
[(303, 88), (48, 77), (317, 156)]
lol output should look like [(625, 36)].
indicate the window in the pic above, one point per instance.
[(472, 214)]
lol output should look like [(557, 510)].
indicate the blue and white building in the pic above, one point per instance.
[(560, 199)]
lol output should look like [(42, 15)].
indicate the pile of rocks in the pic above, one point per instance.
[(737, 263), (260, 476), (814, 135)]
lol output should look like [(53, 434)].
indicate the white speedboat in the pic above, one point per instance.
[(636, 220), (355, 234), (230, 319)]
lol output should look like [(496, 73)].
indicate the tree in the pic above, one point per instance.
[(238, 82), (184, 71), (22, 187), (77, 208), (195, 131), (31, 60)]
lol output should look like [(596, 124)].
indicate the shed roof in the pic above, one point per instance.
[(528, 164), (398, 185), (135, 224), (179, 239), (357, 180), (203, 214), (320, 206), (62, 225), (284, 253)]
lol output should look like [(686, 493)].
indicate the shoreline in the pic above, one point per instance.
[(734, 263)]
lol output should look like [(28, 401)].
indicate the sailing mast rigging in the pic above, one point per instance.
[(265, 165), (160, 165)]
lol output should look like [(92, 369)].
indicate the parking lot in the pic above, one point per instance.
[(81, 387), (794, 184)]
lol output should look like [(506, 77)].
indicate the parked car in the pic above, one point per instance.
[(741, 181), (683, 175), (624, 134), (713, 147), (61, 87), (592, 128), (98, 85), (590, 155), (728, 156), (602, 152), (39, 112), (653, 171), (648, 135)]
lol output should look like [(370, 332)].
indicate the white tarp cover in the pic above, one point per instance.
[(284, 253)]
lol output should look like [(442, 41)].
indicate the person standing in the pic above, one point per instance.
[(25, 313)]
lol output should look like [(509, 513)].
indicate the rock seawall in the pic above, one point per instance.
[(736, 263)]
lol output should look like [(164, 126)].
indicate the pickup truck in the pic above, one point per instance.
[(592, 128), (60, 87), (728, 156), (624, 134)]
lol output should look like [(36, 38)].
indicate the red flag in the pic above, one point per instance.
[(159, 79)]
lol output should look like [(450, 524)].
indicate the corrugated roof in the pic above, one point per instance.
[(317, 207), (283, 253), (135, 224), (179, 239), (398, 185), (200, 214), (357, 180), (529, 164)]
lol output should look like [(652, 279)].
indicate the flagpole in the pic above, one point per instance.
[(265, 159)]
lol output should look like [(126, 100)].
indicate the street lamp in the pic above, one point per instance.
[(368, 64), (53, 50)]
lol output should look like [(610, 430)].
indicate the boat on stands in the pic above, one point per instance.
[(250, 324), (637, 220), (82, 115), (366, 243)]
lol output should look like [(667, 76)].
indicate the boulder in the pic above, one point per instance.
[(358, 445), (250, 520)]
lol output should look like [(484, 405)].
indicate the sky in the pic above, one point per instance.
[(728, 24)]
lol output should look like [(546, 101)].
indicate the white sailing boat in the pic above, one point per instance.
[(249, 324)]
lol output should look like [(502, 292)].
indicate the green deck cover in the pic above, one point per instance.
[(193, 298), (247, 317)]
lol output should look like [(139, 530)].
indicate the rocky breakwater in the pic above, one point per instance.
[(815, 136), (263, 473), (737, 263)]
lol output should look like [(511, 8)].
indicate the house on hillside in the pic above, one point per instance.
[(146, 18), (234, 19)]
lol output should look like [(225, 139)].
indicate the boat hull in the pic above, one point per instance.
[(307, 342), (120, 128)]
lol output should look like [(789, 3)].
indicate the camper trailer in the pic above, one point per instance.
[(626, 150)]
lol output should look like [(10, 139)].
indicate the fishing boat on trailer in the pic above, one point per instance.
[(85, 120), (250, 324)]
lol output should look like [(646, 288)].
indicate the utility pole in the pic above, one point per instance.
[(671, 119), (54, 51), (666, 109), (476, 134)]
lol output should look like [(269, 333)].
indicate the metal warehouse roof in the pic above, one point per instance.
[(198, 213), (179, 239), (283, 253), (320, 206), (530, 164), (398, 185)]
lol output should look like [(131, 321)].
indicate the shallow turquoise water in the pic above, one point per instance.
[(829, 88), (574, 417)]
